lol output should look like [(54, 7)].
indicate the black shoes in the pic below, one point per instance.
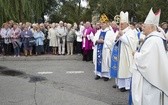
[(97, 77), (115, 86), (106, 79), (123, 90)]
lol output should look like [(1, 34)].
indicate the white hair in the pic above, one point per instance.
[(61, 22)]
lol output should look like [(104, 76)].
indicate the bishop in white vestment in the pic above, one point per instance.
[(122, 58), (150, 69)]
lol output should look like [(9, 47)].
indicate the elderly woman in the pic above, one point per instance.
[(70, 39), (15, 35), (53, 38), (5, 34), (39, 37), (164, 26), (27, 36)]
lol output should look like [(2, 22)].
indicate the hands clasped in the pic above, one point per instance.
[(100, 41), (120, 33)]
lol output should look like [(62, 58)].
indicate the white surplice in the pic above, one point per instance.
[(150, 72), (106, 52)]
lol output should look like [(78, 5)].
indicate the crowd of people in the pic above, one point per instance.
[(134, 54), (34, 39)]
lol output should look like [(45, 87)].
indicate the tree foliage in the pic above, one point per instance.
[(136, 8), (22, 10), (67, 10), (71, 10)]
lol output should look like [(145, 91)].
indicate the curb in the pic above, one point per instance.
[(41, 58)]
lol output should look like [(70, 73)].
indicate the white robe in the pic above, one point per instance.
[(128, 45), (129, 42), (150, 75), (106, 52)]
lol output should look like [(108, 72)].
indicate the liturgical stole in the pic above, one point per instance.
[(115, 59), (99, 52)]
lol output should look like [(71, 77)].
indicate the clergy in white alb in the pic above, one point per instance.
[(126, 43), (103, 41), (150, 69)]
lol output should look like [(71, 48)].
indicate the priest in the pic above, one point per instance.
[(87, 42), (103, 41)]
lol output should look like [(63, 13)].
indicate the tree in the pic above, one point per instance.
[(21, 10), (69, 11), (136, 8)]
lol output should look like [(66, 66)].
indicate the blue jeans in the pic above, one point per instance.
[(16, 51)]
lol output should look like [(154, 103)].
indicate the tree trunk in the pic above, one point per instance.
[(21, 18), (79, 10)]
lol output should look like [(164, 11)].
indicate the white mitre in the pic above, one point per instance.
[(153, 18), (124, 17)]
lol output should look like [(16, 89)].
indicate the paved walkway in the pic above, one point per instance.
[(70, 82)]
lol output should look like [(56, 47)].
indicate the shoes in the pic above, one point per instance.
[(83, 59), (115, 86), (123, 90), (63, 54), (97, 77), (106, 79)]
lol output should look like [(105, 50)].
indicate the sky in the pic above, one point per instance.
[(83, 3)]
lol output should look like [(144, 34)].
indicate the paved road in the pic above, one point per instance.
[(69, 81)]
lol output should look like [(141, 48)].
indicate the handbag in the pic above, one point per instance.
[(32, 42)]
